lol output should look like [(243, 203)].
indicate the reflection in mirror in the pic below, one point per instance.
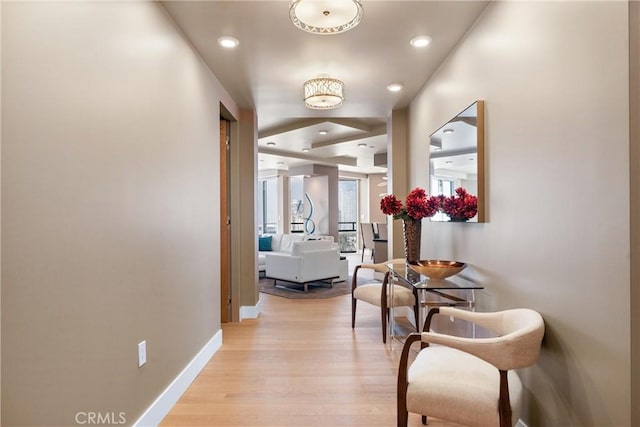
[(456, 158)]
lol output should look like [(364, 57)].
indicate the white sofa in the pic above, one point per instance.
[(294, 259), (280, 243)]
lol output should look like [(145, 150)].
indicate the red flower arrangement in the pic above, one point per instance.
[(417, 206), (460, 207)]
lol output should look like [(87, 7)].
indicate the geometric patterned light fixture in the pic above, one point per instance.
[(323, 93), (325, 16)]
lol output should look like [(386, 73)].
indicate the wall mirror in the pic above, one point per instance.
[(456, 158)]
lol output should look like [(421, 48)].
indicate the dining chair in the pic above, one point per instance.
[(382, 231), (469, 381), (379, 294), (366, 229)]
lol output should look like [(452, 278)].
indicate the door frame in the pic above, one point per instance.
[(226, 290)]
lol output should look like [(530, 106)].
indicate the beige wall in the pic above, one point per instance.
[(376, 188), (331, 172), (244, 157), (109, 208), (398, 184), (634, 156), (0, 222), (554, 76)]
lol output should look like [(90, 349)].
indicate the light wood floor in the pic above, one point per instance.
[(299, 364)]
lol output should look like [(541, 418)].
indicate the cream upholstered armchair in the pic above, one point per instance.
[(470, 381), (379, 295)]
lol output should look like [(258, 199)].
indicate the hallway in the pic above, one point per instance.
[(299, 364)]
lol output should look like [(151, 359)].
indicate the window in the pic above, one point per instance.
[(348, 215), (445, 187), (296, 211), (268, 206)]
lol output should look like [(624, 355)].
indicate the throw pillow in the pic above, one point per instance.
[(264, 243)]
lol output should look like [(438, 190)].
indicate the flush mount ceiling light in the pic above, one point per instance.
[(305, 150), (323, 93), (325, 16), (323, 132), (271, 144), (447, 131), (395, 87)]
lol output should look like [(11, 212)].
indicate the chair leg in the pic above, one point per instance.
[(354, 303), (385, 313), (416, 313), (403, 414), (424, 420), (504, 405)]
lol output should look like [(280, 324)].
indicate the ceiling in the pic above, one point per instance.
[(274, 58)]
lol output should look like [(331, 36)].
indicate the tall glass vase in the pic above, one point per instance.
[(412, 236)]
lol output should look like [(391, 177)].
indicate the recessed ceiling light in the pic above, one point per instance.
[(385, 178), (271, 143), (449, 162), (447, 131), (228, 42), (280, 163), (395, 87), (362, 145), (420, 41), (323, 132), (305, 150), (371, 146)]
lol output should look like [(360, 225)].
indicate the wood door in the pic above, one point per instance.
[(225, 224)]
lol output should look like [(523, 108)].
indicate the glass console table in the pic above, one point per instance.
[(454, 291)]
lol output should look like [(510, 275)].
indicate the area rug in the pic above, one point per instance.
[(317, 290)]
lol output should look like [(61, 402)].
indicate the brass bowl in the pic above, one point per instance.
[(438, 269)]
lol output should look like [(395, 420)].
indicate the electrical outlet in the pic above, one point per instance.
[(142, 353)]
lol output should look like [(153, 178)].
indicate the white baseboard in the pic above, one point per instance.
[(163, 404), (250, 311)]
